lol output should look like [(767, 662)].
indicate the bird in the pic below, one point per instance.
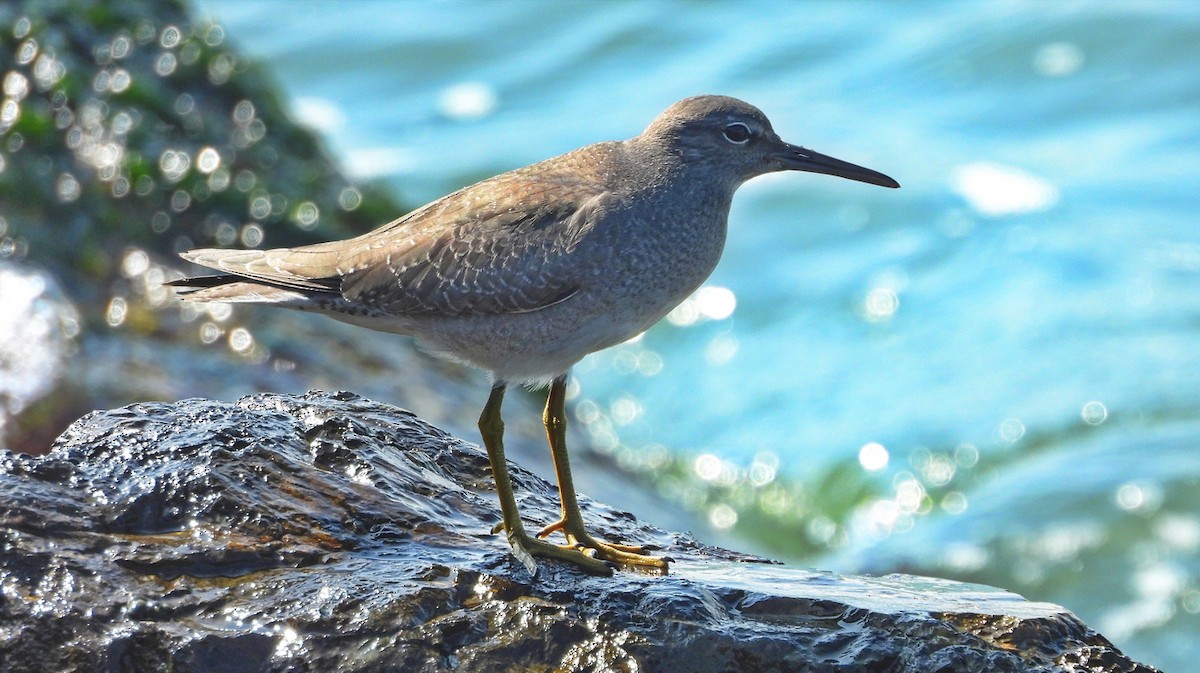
[(525, 273)]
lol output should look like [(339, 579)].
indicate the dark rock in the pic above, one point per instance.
[(327, 532)]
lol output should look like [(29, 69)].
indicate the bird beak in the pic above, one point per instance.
[(796, 158)]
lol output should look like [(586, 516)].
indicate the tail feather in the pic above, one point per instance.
[(232, 290), (201, 282), (263, 275)]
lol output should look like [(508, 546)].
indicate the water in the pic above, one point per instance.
[(991, 374)]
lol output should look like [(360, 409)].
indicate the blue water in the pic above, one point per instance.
[(1006, 351)]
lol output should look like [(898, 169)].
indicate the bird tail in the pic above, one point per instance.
[(279, 276)]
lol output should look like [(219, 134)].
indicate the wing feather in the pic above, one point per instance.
[(511, 257), (503, 245)]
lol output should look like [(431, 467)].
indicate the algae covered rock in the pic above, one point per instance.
[(128, 131), (134, 125)]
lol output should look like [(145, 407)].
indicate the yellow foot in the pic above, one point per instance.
[(583, 550), (561, 524), (621, 554), (525, 548)]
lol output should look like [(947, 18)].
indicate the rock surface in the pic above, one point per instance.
[(326, 532)]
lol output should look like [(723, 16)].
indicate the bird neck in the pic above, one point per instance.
[(661, 173)]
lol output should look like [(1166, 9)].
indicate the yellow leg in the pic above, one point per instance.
[(571, 523), (525, 547)]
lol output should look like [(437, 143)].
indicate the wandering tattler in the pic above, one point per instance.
[(524, 274)]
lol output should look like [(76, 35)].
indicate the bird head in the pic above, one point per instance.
[(733, 139)]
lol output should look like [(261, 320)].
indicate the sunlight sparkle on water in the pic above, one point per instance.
[(873, 456), (36, 332), (210, 332), (165, 64), (764, 468), (1011, 430), (1157, 588), (117, 310), (707, 467), (375, 162), (208, 160), (1179, 532), (994, 190), (626, 410), (1094, 413), (1058, 59), (174, 164), (721, 349), (882, 516), (134, 263), (710, 302), (880, 304), (15, 85), (290, 643), (910, 495), (219, 312), (954, 502), (252, 235), (9, 112), (1139, 496), (27, 51), (468, 100), (307, 214), (170, 37), (936, 469), (67, 188), (240, 340), (966, 455), (965, 557), (320, 114), (712, 469), (722, 517), (1061, 543)]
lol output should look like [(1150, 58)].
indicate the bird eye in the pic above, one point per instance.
[(737, 133)]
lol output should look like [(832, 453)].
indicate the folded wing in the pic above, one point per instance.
[(501, 246)]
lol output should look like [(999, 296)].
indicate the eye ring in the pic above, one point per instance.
[(737, 133)]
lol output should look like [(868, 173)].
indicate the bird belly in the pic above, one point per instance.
[(622, 290), (536, 346)]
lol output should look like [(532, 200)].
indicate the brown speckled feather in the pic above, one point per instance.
[(500, 246)]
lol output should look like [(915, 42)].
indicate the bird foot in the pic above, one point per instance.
[(621, 554), (525, 548), (590, 554)]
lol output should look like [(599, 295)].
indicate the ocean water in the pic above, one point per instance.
[(991, 374)]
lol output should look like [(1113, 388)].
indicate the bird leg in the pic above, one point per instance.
[(524, 546), (571, 523)]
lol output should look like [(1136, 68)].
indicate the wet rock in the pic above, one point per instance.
[(327, 532)]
